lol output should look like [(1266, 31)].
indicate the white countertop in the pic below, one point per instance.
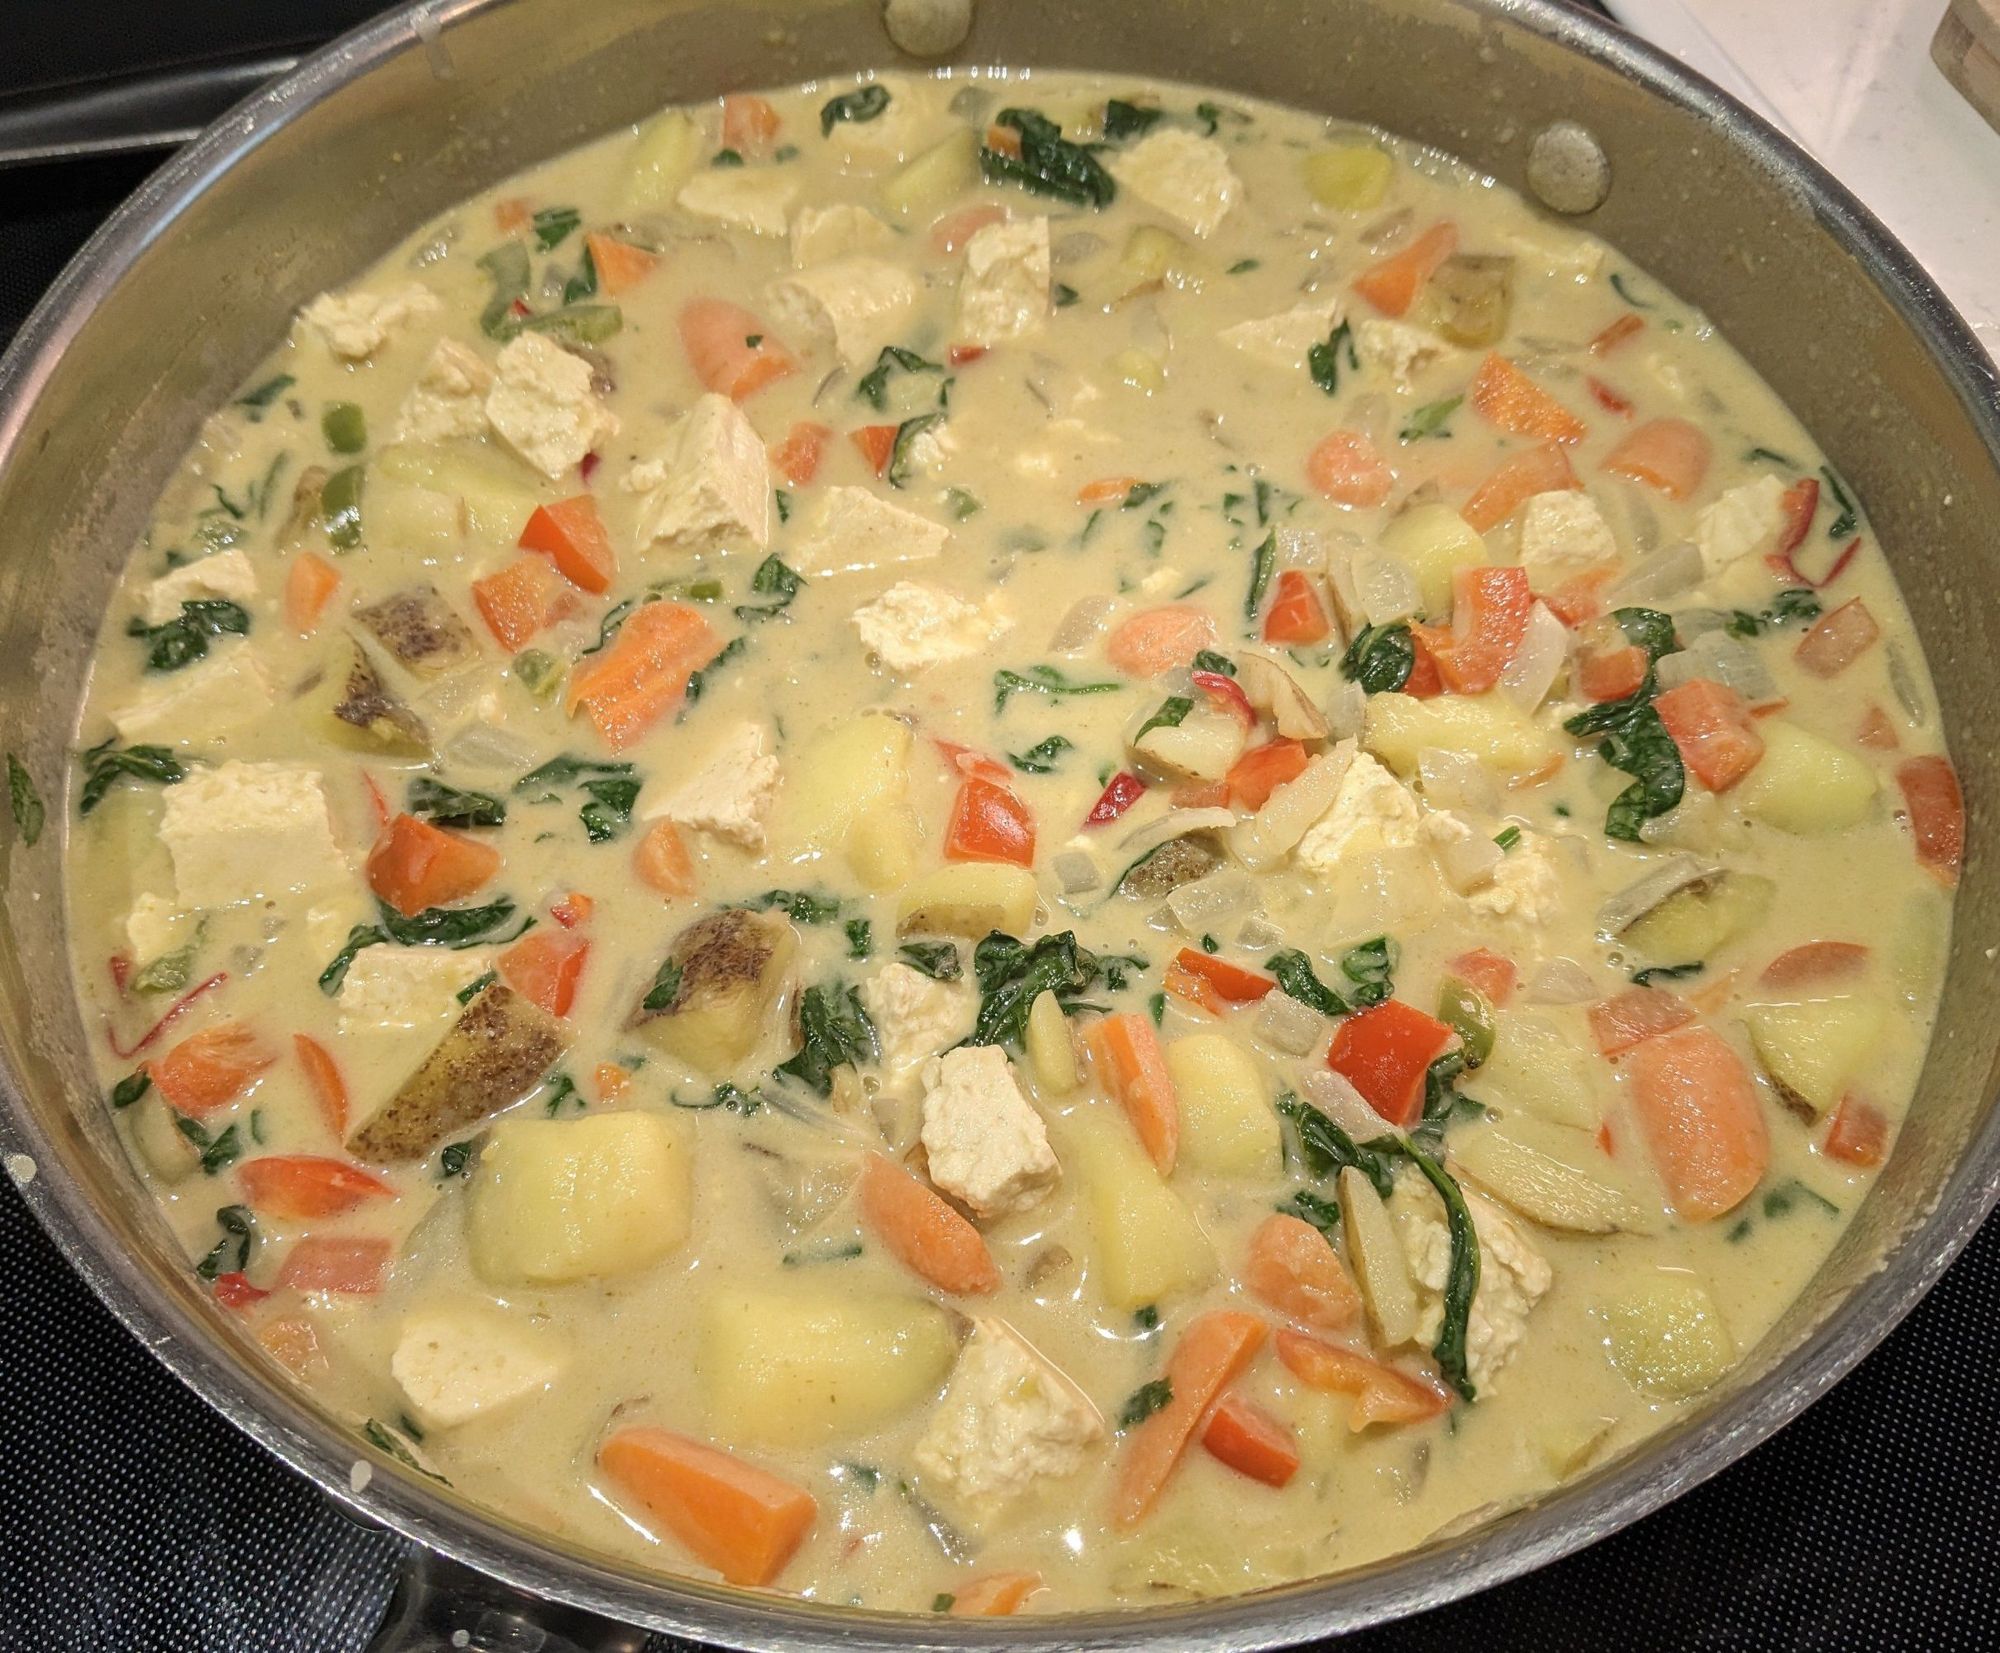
[(1852, 81)]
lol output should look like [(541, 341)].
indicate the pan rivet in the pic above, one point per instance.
[(1567, 168), (927, 28)]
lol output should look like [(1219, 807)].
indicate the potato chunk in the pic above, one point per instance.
[(1805, 783), (838, 778), (968, 898), (1148, 1245), (1486, 727), (1815, 1049), (356, 708), (457, 1361), (1228, 1126), (557, 1200), (1668, 1337), (1434, 542), (421, 630), (732, 968)]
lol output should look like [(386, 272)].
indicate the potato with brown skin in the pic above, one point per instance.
[(421, 630), (359, 711), (498, 1050), (1162, 871), (733, 967)]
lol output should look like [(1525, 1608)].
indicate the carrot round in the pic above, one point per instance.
[(310, 584), (749, 123), (662, 860), (797, 458), (1488, 971), (1241, 1434), (1937, 814), (573, 536), (1858, 1135), (995, 1596), (743, 1521), (1382, 1394), (1345, 468), (300, 1187), (1129, 1050), (415, 865), (730, 350), (1392, 284), (544, 967), (1489, 622), (1210, 1356), (1159, 639), (336, 1263), (1668, 454), (1107, 490), (876, 445), (628, 687), (1503, 395), (927, 1236), (1253, 777), (323, 1075), (1815, 961), (1293, 1267), (1611, 674), (1699, 1113), (1542, 469), (210, 1069), (1635, 1015)]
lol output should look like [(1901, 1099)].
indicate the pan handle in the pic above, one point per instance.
[(443, 1607)]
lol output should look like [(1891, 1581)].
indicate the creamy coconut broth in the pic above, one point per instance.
[(910, 885)]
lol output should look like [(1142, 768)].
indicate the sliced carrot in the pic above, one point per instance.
[(662, 860), (572, 534), (1814, 962), (620, 266), (1384, 1053), (415, 865), (323, 1076), (1668, 454), (1937, 814), (1837, 639), (299, 1187), (749, 123), (610, 1081), (628, 687), (511, 214), (1189, 988), (988, 823), (1487, 971), (730, 350), (1877, 733), (1200, 794), (1426, 642), (1296, 614), (292, 1340), (1382, 1394), (1392, 283), (1490, 609), (1128, 1049), (876, 444), (544, 967), (1634, 1015), (1262, 770), (1505, 396), (797, 458), (1612, 674), (1579, 598), (1699, 1113), (1616, 334), (971, 762), (521, 600), (1232, 982), (1542, 469), (1345, 468), (1241, 1434), (1293, 1267), (1858, 1135), (926, 1235), (960, 354), (743, 1521), (310, 584), (1159, 639), (210, 1069), (326, 1262), (1107, 490), (1004, 140), (1210, 1356), (997, 1595), (955, 228), (1712, 727)]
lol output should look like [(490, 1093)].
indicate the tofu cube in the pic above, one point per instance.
[(1513, 1278), (987, 1145), (855, 530), (1004, 290), (1182, 174), (1397, 347), (1283, 340), (1563, 531), (714, 489), (730, 795), (245, 831), (1371, 811), (226, 574), (448, 401), (398, 988), (156, 927), (1527, 884), (823, 233), (915, 1017), (1745, 520), (222, 691), (1009, 1418), (356, 325), (459, 1361), (543, 407), (913, 626), (858, 303), (758, 199)]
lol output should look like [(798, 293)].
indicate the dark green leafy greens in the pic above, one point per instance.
[(453, 927), (184, 639), (1634, 738), (698, 682), (1848, 517), (863, 104), (1317, 1209), (1124, 120), (937, 959), (129, 1089), (1429, 420), (665, 989), (873, 386), (800, 906), (1041, 680), (1042, 757), (1297, 979), (1012, 974), (553, 225), (1172, 714), (834, 1031), (1380, 658), (902, 451), (231, 1253), (26, 802), (257, 401), (106, 763), (1144, 1401), (1369, 967), (860, 938), (447, 806), (1263, 564), (1049, 164), (1323, 359), (1795, 605), (218, 1151)]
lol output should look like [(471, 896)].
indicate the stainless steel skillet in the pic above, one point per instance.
[(178, 296)]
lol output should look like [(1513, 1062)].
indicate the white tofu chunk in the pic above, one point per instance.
[(758, 199), (1513, 1277), (907, 127), (1563, 530), (393, 989), (1182, 174), (713, 489), (156, 927), (730, 795), (448, 401), (1371, 811), (1009, 1417), (1526, 885), (542, 405), (858, 303), (459, 1361), (987, 1145), (244, 831), (823, 233), (913, 626), (915, 1017), (356, 325), (1283, 340), (1744, 521), (227, 574), (222, 691), (1559, 251), (1004, 289), (1396, 347), (855, 529)]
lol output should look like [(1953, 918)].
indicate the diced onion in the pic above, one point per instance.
[(1624, 909), (1456, 780), (1291, 809), (1081, 625), (1469, 862), (1346, 710), (1257, 933), (1176, 823), (1076, 871), (1203, 905), (482, 746), (1386, 588), (1532, 672), (1288, 1025), (1698, 622), (1343, 1104), (1301, 548), (1904, 681), (1561, 981), (1661, 574), (1722, 659)]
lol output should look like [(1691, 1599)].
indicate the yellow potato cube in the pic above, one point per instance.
[(1805, 783), (1146, 1244), (1668, 1338), (1228, 1125), (1434, 542), (1348, 177)]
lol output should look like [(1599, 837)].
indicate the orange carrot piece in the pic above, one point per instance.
[(955, 228), (1542, 469), (1384, 1053), (730, 350), (1699, 1113), (797, 458), (544, 967), (326, 1262), (1486, 970), (1877, 733), (323, 1076), (997, 1595), (210, 1069), (1858, 1135), (1231, 982), (1296, 614), (988, 823), (415, 865), (1712, 727), (1128, 1049), (1668, 454), (511, 214), (1189, 988), (1253, 777), (573, 536), (292, 1340), (1489, 622), (610, 1081), (310, 584), (572, 910), (627, 688), (1612, 674), (1813, 962), (1158, 639), (1293, 1267), (749, 123), (1635, 1015), (1107, 490), (1616, 334), (521, 600), (1345, 468), (876, 444), (1837, 640), (1382, 1394), (1581, 597), (743, 1521), (662, 861), (300, 1187), (927, 1236), (1503, 395), (1936, 809), (620, 266), (1241, 1434), (1210, 1356), (1392, 284)]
